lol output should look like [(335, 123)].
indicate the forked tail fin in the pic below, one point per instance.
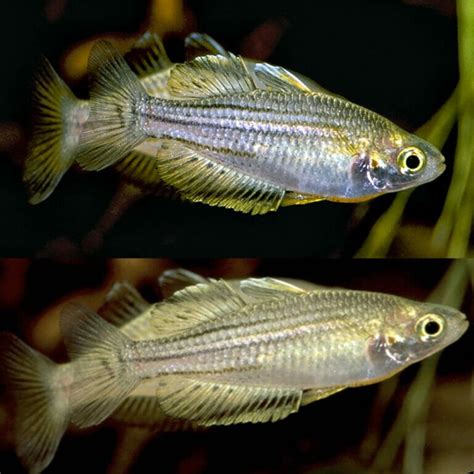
[(41, 407), (58, 121)]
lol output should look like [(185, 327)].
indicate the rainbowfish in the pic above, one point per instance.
[(216, 354), (228, 142), (60, 118)]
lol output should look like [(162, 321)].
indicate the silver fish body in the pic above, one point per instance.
[(269, 343), (312, 340), (310, 143)]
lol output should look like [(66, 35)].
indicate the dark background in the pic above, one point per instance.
[(396, 58), (324, 437)]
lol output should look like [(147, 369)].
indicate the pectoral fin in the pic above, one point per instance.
[(198, 178), (210, 403)]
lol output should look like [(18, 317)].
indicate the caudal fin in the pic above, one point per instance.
[(102, 379), (58, 119), (41, 409), (116, 94)]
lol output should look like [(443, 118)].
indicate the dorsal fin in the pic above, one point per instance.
[(277, 78), (208, 76), (176, 279), (122, 304), (200, 44), (198, 178), (195, 305), (268, 288), (148, 55)]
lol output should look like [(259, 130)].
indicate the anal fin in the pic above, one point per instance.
[(210, 403), (314, 394), (146, 412), (291, 199), (198, 178)]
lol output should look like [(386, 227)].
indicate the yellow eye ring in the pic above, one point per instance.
[(430, 326), (411, 160)]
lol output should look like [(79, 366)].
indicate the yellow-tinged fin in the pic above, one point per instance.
[(198, 178), (171, 281), (269, 288), (210, 403), (123, 304), (140, 169), (102, 380), (146, 412), (148, 55), (207, 76), (200, 44), (41, 408), (111, 131), (195, 305), (291, 199), (58, 119), (314, 394), (276, 78)]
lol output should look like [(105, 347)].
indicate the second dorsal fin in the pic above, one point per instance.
[(200, 44), (195, 305), (208, 76), (148, 55)]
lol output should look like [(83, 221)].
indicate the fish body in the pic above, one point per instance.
[(220, 130), (270, 344), (213, 352), (231, 142)]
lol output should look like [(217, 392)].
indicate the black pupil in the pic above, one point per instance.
[(412, 162), (432, 328)]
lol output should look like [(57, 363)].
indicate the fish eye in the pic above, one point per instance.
[(430, 326), (411, 160)]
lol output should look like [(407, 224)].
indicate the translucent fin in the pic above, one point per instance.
[(277, 78), (294, 199), (268, 288), (140, 169), (148, 55), (41, 408), (102, 380), (146, 412), (111, 130), (210, 403), (210, 76), (177, 279), (200, 179), (58, 119), (123, 304), (200, 44), (195, 305), (312, 395)]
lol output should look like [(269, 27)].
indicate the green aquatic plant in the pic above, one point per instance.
[(452, 232)]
